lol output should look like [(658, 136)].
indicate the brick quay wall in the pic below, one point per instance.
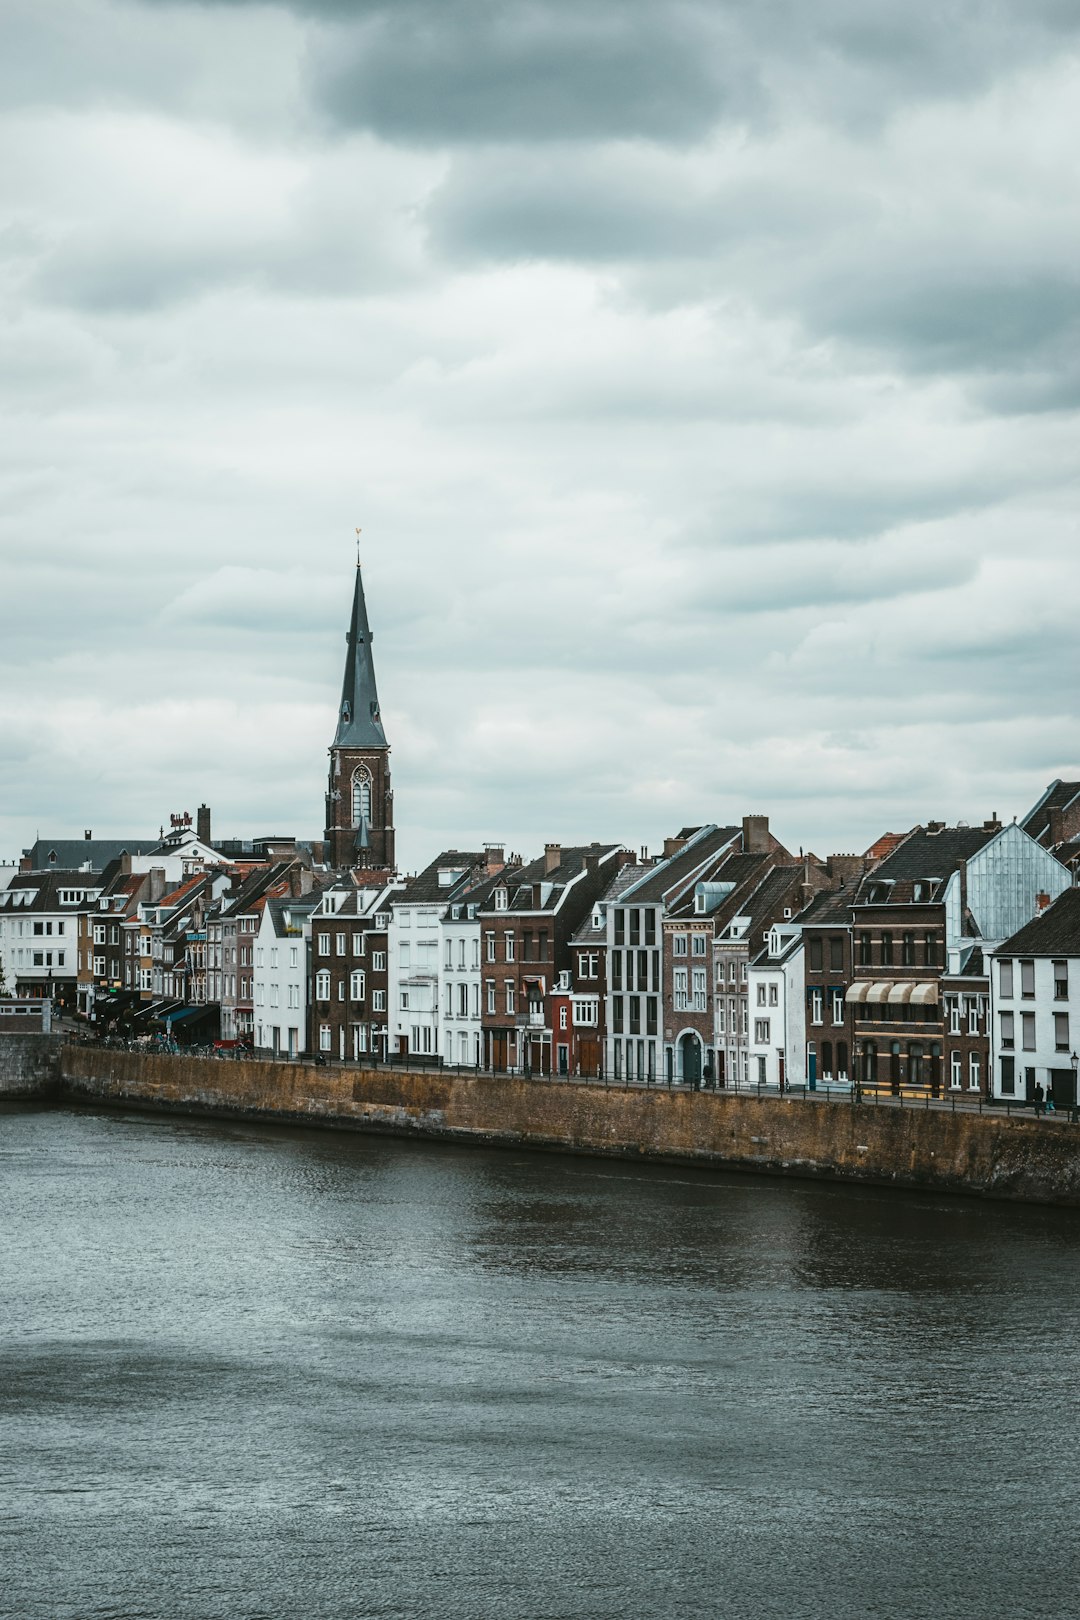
[(1022, 1158), (29, 1067)]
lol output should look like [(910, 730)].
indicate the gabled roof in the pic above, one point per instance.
[(527, 885), (761, 903), (359, 719), (1054, 932), (925, 856), (664, 883), (1058, 796), (623, 879), (69, 854), (426, 889)]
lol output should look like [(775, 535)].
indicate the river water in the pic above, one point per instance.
[(296, 1375)]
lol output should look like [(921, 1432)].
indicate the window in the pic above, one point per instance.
[(340, 991), (886, 950), (838, 1006), (324, 944), (1061, 1032), (907, 950), (490, 995), (761, 993), (682, 1000), (99, 966), (356, 985), (973, 1015), (358, 947), (720, 1020), (678, 944), (635, 926), (361, 796), (956, 1071), (1005, 980), (930, 955), (294, 956), (508, 940), (500, 899), (773, 995), (585, 1011), (700, 989), (1027, 1028), (508, 986), (974, 1071), (378, 1001), (954, 1015), (817, 1007), (866, 950), (324, 1037), (836, 952), (378, 961), (449, 955), (742, 971), (816, 955), (489, 946), (1061, 980), (99, 933), (761, 1032), (635, 1014), (403, 1000), (698, 945), (1008, 1077), (1008, 1031), (322, 986), (588, 964), (1027, 979)]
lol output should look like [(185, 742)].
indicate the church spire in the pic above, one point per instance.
[(359, 799), (359, 719)]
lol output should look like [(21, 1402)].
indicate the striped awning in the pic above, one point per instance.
[(901, 991), (859, 990), (926, 993)]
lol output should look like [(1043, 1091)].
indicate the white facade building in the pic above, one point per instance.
[(1035, 1007), (776, 1011), (459, 984), (416, 965), (281, 975)]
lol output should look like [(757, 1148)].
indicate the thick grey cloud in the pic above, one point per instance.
[(705, 379)]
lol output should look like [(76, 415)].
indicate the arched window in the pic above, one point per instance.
[(361, 796)]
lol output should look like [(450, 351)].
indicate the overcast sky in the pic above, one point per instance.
[(705, 378)]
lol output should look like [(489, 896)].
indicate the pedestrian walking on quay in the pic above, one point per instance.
[(1039, 1096)]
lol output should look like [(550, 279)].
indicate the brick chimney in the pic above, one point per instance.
[(156, 886), (494, 859), (202, 824), (992, 824), (841, 867), (552, 858), (755, 835), (672, 846), (1042, 900)]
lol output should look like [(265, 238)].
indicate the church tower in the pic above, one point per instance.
[(359, 802)]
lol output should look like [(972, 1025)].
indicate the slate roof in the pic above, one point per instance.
[(425, 888), (359, 719), (923, 856), (571, 865), (831, 908), (1058, 796), (1054, 932), (69, 854), (46, 888), (624, 879), (763, 902), (669, 877)]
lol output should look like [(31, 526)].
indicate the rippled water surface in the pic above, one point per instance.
[(302, 1376)]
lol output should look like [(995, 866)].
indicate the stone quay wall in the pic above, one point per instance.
[(29, 1067), (1019, 1157)]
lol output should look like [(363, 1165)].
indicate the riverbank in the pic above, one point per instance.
[(1019, 1158), (30, 1067)]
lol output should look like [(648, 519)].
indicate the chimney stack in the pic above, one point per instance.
[(88, 834), (992, 824), (1042, 900), (552, 858), (672, 846), (202, 824), (755, 835), (494, 859), (156, 887)]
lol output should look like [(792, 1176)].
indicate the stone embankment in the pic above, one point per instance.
[(29, 1067), (1023, 1158)]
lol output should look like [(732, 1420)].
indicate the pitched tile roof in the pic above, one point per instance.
[(665, 882)]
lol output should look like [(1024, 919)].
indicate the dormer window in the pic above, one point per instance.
[(500, 899), (346, 713)]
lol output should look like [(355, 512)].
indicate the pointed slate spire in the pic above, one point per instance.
[(359, 720)]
